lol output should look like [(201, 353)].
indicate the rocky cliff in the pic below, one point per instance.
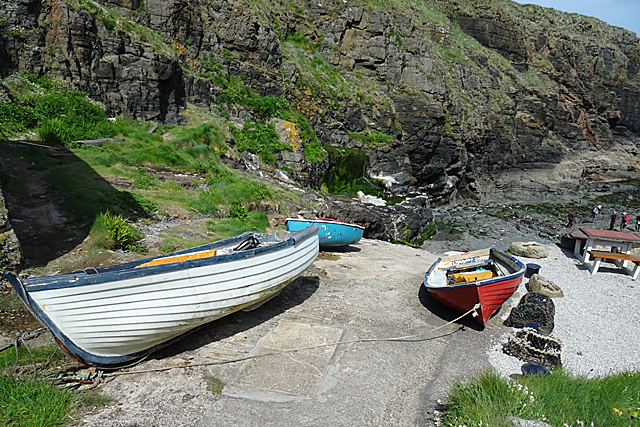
[(10, 251), (476, 99)]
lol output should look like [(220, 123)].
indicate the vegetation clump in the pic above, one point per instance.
[(557, 399), (56, 114), (113, 232), (372, 139), (259, 139)]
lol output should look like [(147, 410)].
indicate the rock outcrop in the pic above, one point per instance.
[(10, 252), (405, 221), (505, 101)]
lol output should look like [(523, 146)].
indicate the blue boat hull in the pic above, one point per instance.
[(330, 233)]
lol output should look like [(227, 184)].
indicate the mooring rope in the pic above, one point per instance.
[(241, 359), (29, 335)]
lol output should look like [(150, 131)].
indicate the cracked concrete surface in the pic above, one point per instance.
[(367, 290)]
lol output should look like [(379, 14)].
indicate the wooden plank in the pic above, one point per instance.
[(614, 255)]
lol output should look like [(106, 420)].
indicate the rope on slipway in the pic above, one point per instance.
[(241, 359), (22, 339)]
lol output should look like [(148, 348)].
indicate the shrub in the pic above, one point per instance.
[(120, 235), (109, 23), (53, 130), (269, 106), (238, 211), (139, 248), (149, 207), (217, 172), (312, 150), (16, 118)]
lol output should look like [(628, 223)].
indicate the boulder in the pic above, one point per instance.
[(529, 249), (540, 285)]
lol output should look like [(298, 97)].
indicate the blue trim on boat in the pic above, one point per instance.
[(128, 270)]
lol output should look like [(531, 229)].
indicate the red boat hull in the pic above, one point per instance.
[(491, 296)]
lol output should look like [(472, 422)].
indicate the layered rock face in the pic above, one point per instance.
[(10, 252), (484, 101)]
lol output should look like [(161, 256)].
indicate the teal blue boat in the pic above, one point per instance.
[(331, 232)]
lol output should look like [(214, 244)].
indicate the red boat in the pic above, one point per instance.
[(487, 276)]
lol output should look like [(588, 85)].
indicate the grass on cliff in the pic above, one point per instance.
[(174, 169), (558, 399)]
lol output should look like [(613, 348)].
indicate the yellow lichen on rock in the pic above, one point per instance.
[(289, 134)]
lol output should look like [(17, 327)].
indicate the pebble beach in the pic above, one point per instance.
[(597, 320)]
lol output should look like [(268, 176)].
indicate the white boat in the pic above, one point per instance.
[(117, 314)]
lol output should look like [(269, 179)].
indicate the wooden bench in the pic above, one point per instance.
[(600, 255)]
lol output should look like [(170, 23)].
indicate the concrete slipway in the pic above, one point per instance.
[(367, 291)]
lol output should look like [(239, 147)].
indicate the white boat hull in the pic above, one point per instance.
[(127, 317)]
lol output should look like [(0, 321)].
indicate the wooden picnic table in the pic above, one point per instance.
[(619, 242)]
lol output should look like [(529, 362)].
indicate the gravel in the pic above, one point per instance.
[(597, 320)]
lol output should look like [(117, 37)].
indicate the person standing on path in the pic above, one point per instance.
[(614, 216), (594, 213), (638, 223), (572, 216), (624, 221)]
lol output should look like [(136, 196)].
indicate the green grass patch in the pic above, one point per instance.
[(212, 230), (259, 139), (227, 227), (143, 180), (372, 138), (32, 403), (41, 355), (452, 54), (227, 190), (214, 385), (558, 399)]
